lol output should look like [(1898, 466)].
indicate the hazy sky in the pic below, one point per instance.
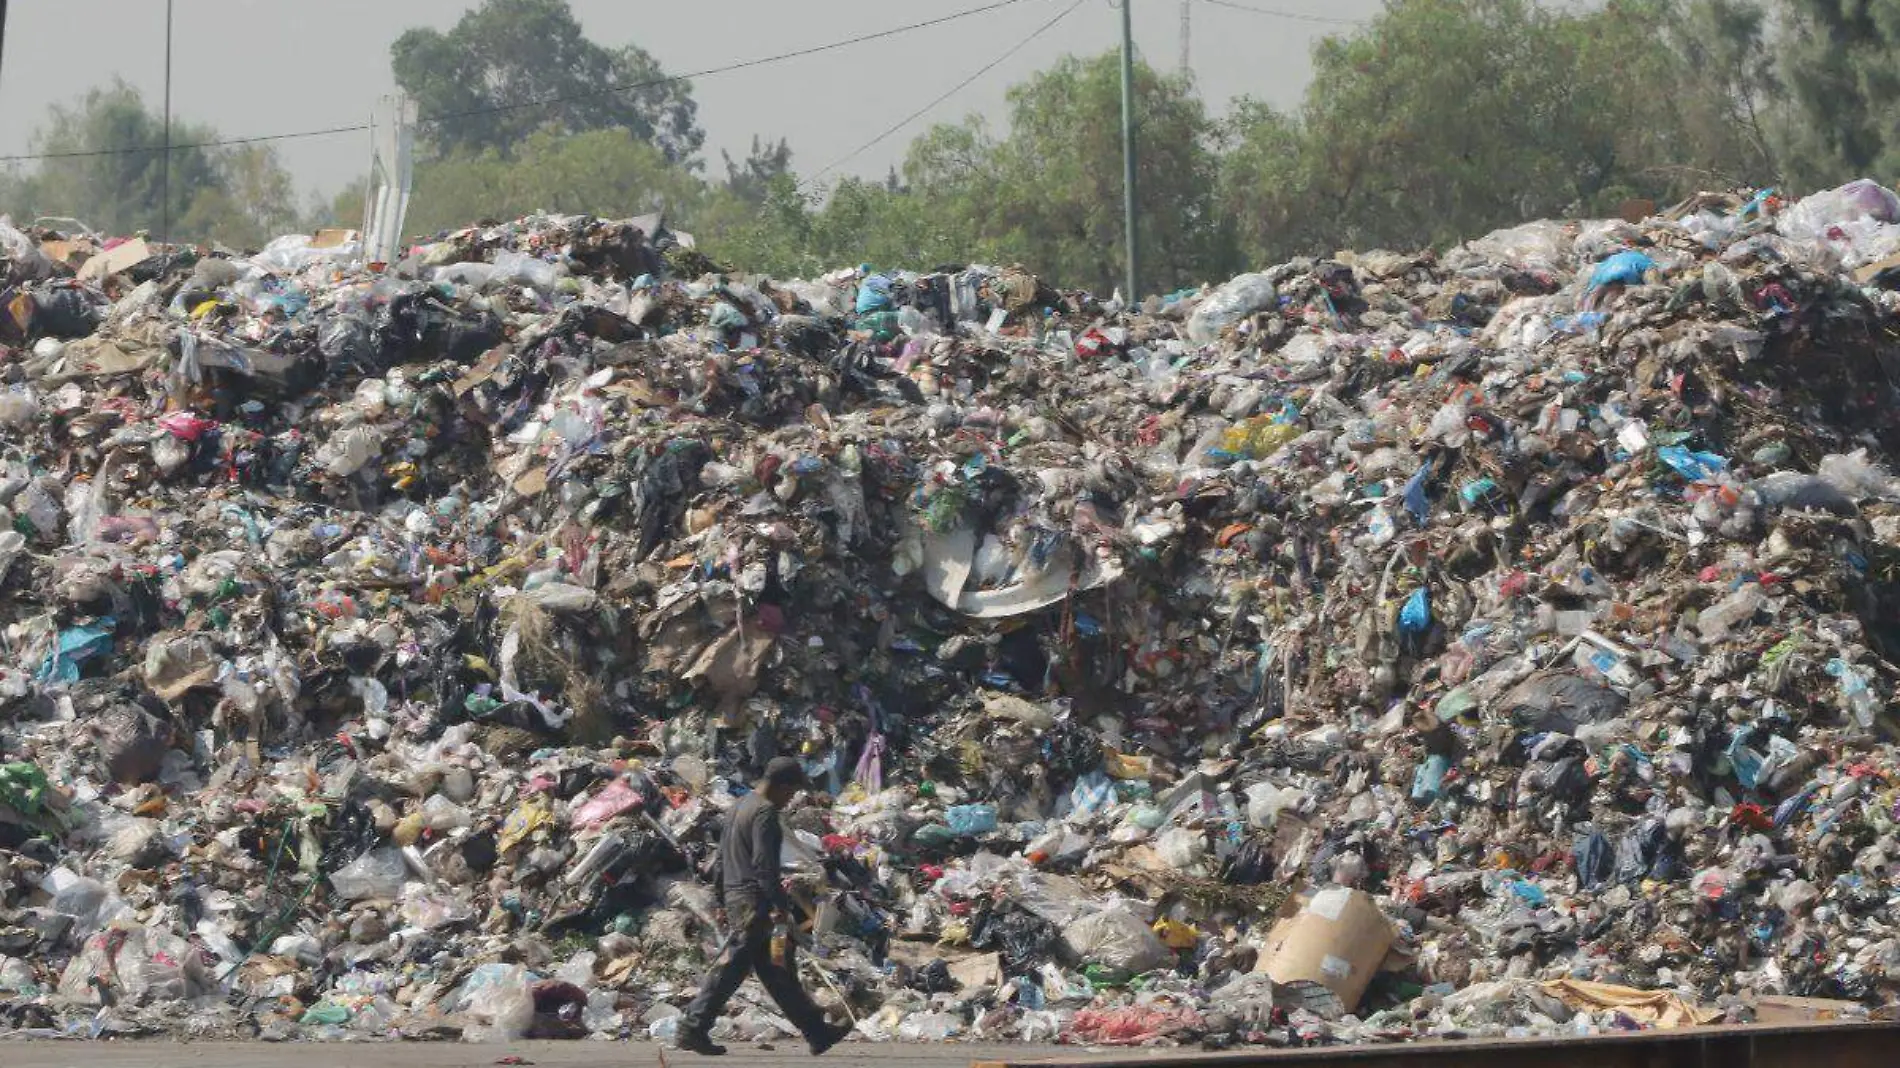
[(267, 66)]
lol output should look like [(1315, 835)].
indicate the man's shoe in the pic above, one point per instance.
[(699, 1042), (831, 1036)]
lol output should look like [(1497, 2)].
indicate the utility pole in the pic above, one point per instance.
[(1131, 294), (3, 28), (1187, 18), (165, 167)]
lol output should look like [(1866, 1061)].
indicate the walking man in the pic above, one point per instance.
[(752, 892)]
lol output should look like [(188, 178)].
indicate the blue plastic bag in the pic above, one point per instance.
[(1694, 466), (874, 294), (971, 819), (1429, 780), (1624, 268), (1415, 501), (1416, 616), (74, 646)]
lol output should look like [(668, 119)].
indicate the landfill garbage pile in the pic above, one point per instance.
[(1499, 642)]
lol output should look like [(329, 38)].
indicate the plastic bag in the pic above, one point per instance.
[(1811, 217), (971, 819), (616, 797), (19, 406), (1561, 703), (378, 874), (1258, 438), (1180, 848), (90, 903), (27, 259), (1694, 466), (519, 268), (1416, 616), (1625, 268), (1117, 938), (349, 451), (1533, 246), (293, 252), (874, 295), (498, 1001), (562, 597), (929, 1027), (1786, 489), (1238, 299), (1716, 621), (140, 966), (1132, 1025), (1858, 477)]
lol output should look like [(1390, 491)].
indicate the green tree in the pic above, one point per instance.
[(1841, 62), (114, 191), (477, 81), (751, 180), (1730, 60), (609, 173), (1447, 118), (253, 201), (238, 196), (1050, 193)]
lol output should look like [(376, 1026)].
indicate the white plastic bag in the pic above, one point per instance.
[(1858, 477), (1117, 938), (519, 268), (498, 1002), (1245, 295), (377, 874), (1533, 246), (1180, 848)]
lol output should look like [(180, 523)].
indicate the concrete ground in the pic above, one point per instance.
[(142, 1053)]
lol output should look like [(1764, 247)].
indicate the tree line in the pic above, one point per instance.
[(1436, 121)]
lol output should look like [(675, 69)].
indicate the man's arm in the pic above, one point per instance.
[(768, 844)]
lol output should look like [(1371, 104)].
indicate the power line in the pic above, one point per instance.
[(221, 143), (947, 94), (1299, 16), (730, 67), (545, 102)]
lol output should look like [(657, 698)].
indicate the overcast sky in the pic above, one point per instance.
[(253, 67)]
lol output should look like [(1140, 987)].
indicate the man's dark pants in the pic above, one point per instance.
[(748, 948)]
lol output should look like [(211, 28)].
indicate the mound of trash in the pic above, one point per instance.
[(1395, 644)]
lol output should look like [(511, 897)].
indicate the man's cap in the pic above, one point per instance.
[(784, 771)]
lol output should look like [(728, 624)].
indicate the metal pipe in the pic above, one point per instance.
[(165, 167), (1132, 275)]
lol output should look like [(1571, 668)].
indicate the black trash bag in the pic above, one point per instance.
[(933, 978), (1556, 772), (350, 344), (1250, 865), (1070, 751), (1594, 860), (665, 487), (1647, 852), (1023, 939), (460, 339), (1552, 701), (65, 312)]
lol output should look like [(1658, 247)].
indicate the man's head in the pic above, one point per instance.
[(783, 778)]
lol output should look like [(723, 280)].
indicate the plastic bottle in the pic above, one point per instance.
[(781, 943), (1716, 621)]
